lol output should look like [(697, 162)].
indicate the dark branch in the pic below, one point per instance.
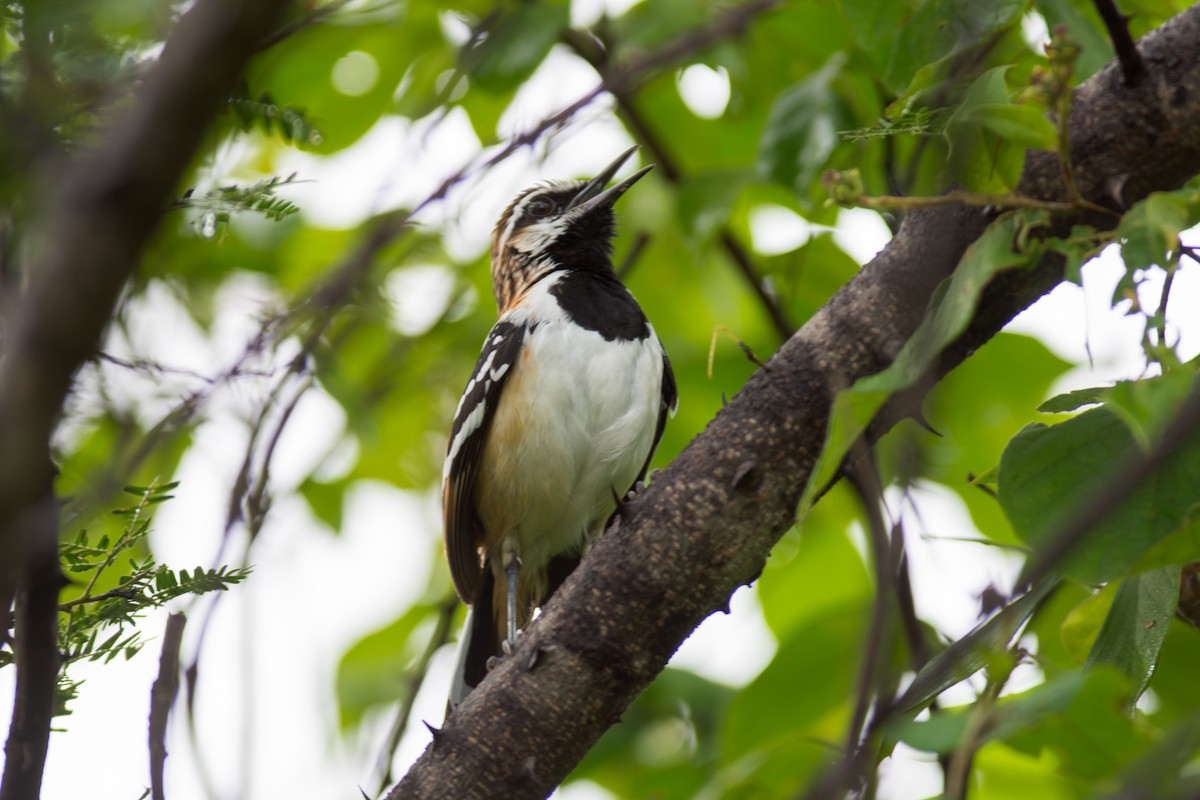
[(162, 698), (96, 216), (313, 17), (94, 219), (1132, 67), (696, 534), (38, 660), (863, 476)]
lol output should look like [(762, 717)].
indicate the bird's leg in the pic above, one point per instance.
[(512, 568)]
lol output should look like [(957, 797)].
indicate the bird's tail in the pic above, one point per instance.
[(478, 643), (483, 632)]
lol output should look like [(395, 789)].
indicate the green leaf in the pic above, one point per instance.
[(1077, 716), (942, 732), (981, 159), (1006, 774), (667, 742), (705, 201), (374, 670), (326, 500), (1181, 547), (1163, 770), (805, 278), (1152, 227), (1146, 406), (1080, 717), (970, 654), (876, 26), (801, 129), (824, 561), (1073, 400), (1047, 472), (977, 408), (515, 44), (942, 29), (820, 653), (1022, 125), (1082, 625), (1137, 625), (303, 72), (1014, 714)]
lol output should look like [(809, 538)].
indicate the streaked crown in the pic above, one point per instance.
[(556, 225)]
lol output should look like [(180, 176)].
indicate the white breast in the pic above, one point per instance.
[(575, 424)]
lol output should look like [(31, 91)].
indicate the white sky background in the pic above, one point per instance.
[(274, 644)]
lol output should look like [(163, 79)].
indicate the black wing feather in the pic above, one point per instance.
[(670, 402), (463, 530)]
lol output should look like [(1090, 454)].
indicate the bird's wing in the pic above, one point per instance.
[(670, 402), (463, 531)]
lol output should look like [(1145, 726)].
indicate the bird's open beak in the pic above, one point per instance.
[(594, 195)]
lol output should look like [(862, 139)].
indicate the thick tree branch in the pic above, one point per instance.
[(707, 524), (95, 217), (94, 222)]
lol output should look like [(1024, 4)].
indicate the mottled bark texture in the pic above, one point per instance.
[(708, 522)]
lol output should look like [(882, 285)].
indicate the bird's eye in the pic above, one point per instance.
[(541, 207)]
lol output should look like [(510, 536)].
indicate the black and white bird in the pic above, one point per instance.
[(560, 417)]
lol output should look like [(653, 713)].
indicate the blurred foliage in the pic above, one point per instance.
[(113, 580), (915, 94)]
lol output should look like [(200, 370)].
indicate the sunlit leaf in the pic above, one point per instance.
[(1137, 624), (801, 130), (980, 158)]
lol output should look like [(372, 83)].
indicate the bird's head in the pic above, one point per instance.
[(556, 225)]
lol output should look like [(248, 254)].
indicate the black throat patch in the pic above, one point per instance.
[(600, 302)]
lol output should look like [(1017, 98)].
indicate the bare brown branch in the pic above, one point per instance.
[(162, 698)]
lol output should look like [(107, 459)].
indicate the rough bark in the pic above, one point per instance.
[(708, 522)]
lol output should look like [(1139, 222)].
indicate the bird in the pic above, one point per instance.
[(560, 418)]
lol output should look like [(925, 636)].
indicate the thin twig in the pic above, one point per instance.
[(258, 499), (125, 593), (440, 636), (741, 260), (586, 48), (635, 251), (845, 776), (958, 773), (967, 197), (162, 698), (864, 479), (318, 14), (1162, 303), (1133, 68), (156, 368)]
